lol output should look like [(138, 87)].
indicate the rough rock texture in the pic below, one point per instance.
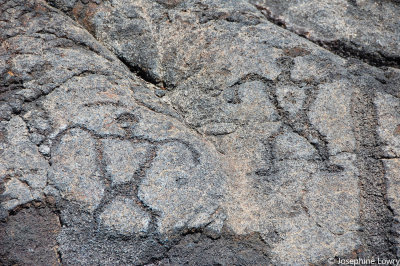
[(198, 132), (366, 29), (29, 237)]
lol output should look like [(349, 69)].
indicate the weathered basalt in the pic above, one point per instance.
[(195, 132)]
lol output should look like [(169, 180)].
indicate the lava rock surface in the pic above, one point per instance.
[(173, 132)]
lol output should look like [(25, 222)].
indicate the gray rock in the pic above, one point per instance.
[(291, 98), (124, 159), (23, 170), (218, 128), (392, 176), (15, 193), (185, 189), (74, 169), (44, 149), (389, 123), (123, 216), (362, 28), (199, 132), (330, 114), (29, 237), (293, 146)]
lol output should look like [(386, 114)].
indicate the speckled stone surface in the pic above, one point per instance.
[(174, 132)]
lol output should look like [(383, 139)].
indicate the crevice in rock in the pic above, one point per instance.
[(231, 17), (376, 230), (176, 115), (135, 69), (62, 224), (344, 49), (59, 257), (142, 73)]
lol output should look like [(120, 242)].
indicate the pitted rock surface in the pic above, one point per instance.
[(366, 29), (122, 216), (199, 132)]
